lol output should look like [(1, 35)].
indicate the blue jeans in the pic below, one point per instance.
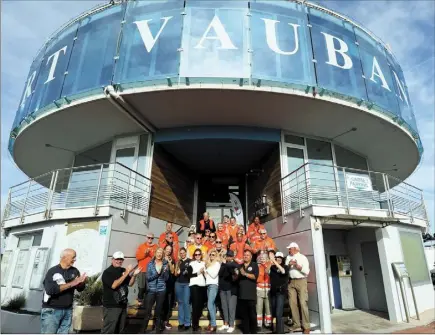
[(277, 311), (212, 291), (182, 291), (56, 321)]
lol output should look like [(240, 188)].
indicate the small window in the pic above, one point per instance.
[(29, 240), (294, 139)]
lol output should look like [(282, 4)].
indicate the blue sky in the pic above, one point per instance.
[(407, 26)]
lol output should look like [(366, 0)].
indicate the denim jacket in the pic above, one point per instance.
[(157, 282)]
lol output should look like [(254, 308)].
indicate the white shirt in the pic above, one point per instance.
[(200, 279), (212, 274), (302, 261)]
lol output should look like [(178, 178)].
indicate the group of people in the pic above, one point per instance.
[(220, 266)]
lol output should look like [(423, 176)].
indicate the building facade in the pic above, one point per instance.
[(138, 113)]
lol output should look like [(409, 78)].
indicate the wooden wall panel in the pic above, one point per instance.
[(172, 189), (266, 183)]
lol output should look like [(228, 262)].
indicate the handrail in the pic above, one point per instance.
[(330, 187), (112, 184)]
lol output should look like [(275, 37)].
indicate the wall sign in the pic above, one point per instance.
[(21, 268), (358, 182), (38, 269)]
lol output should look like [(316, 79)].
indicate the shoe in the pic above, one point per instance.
[(306, 331), (295, 329), (224, 327), (230, 330), (208, 328), (181, 327), (211, 329), (168, 326), (186, 328)]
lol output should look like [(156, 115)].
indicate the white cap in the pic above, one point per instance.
[(293, 245), (279, 254), (118, 254)]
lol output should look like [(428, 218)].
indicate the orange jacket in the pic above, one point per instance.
[(232, 231), (209, 244), (263, 245), (239, 248), (223, 235), (144, 253), (175, 249), (263, 280), (253, 232), (162, 237), (202, 226)]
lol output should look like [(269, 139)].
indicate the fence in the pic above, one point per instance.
[(331, 185), (86, 186)]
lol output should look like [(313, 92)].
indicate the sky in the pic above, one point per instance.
[(407, 26)]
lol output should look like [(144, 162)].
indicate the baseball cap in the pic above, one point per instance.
[(230, 253), (293, 245), (118, 254), (279, 254)]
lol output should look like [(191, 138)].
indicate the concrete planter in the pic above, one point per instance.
[(20, 323), (87, 317)]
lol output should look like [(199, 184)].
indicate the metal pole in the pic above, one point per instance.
[(98, 190), (405, 300), (391, 203), (25, 202), (128, 191), (387, 192), (299, 196), (424, 211), (50, 196), (246, 199), (345, 188), (413, 297)]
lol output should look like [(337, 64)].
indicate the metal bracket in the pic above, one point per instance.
[(96, 211)]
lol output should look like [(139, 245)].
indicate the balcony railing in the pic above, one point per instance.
[(109, 184), (319, 184)]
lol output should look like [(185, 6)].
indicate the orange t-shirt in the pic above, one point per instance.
[(239, 248), (232, 231), (263, 280), (223, 236), (144, 253), (263, 245), (162, 237), (253, 232)]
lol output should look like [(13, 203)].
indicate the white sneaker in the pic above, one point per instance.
[(224, 327), (230, 330)]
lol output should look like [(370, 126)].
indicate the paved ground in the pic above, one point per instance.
[(428, 329), (359, 321)]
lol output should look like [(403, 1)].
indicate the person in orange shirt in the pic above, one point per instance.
[(211, 242), (222, 234), (232, 229), (265, 243), (238, 247), (169, 241), (242, 231), (254, 230), (168, 230), (144, 253), (263, 291)]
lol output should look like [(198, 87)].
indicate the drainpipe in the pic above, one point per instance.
[(128, 110)]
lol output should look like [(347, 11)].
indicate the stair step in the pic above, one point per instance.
[(203, 322)]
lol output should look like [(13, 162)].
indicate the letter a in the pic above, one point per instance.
[(271, 37), (332, 52), (145, 33), (376, 71), (221, 35)]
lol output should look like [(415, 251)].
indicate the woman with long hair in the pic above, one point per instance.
[(157, 276), (182, 290), (212, 266), (278, 288), (196, 271), (170, 288)]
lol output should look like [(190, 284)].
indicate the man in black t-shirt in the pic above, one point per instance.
[(247, 276), (59, 285), (116, 280)]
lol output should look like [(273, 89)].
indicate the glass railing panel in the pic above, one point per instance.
[(92, 58), (150, 42)]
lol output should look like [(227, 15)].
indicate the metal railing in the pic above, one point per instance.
[(321, 184), (108, 184)]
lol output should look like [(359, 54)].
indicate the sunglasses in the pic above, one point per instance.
[(213, 255), (150, 237), (217, 242), (212, 236), (119, 259), (263, 233), (197, 254), (170, 237), (198, 238)]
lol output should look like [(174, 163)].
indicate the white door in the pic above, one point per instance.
[(122, 176), (294, 185)]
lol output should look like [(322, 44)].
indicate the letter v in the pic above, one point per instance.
[(145, 33)]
